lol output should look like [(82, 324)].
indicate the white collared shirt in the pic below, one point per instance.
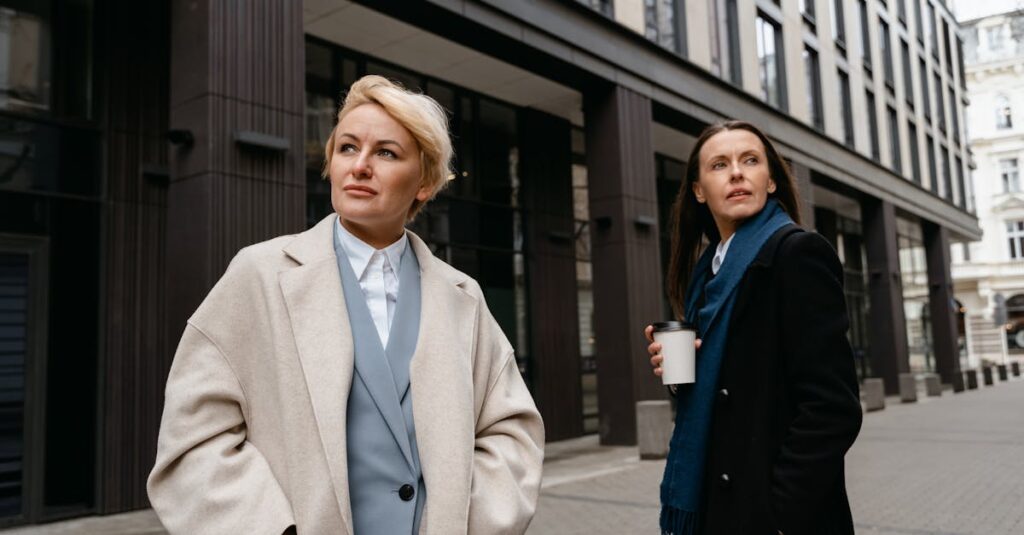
[(723, 247), (377, 271)]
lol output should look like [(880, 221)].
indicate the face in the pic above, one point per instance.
[(375, 171), (734, 178)]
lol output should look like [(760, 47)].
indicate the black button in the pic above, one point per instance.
[(406, 492), (724, 393), (724, 478)]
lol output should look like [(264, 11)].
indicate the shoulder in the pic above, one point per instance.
[(800, 252)]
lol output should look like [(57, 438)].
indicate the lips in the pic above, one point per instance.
[(738, 194), (359, 190)]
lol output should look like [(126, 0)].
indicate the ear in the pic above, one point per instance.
[(698, 192), (771, 186), (424, 193)]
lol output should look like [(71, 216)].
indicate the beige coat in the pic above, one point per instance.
[(253, 432)]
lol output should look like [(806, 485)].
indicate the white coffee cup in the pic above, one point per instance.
[(677, 349)]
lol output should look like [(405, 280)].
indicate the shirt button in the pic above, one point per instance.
[(724, 393), (406, 492)]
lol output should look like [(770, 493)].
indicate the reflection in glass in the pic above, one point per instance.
[(24, 61)]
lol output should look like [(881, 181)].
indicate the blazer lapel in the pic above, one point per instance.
[(370, 361), (316, 308), (442, 388)]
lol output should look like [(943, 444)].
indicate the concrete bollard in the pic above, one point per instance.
[(1004, 372), (986, 375), (653, 428), (972, 379), (874, 394), (959, 383), (1016, 368), (908, 388), (932, 385)]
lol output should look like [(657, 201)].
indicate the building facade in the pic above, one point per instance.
[(143, 143), (989, 273)]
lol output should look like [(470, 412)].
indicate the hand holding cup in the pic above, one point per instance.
[(682, 366)]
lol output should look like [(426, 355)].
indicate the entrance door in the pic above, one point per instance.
[(23, 288)]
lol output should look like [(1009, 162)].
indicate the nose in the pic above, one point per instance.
[(736, 172), (361, 167)]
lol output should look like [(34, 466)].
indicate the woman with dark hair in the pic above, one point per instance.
[(760, 436)]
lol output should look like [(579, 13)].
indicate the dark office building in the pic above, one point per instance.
[(143, 143)]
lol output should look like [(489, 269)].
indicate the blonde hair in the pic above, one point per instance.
[(421, 115)]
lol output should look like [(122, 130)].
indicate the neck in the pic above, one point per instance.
[(378, 236), (725, 230)]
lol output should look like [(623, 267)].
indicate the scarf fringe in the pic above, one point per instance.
[(678, 522)]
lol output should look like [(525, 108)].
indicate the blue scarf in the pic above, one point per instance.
[(682, 484)]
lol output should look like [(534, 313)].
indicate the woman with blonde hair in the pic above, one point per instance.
[(345, 380)]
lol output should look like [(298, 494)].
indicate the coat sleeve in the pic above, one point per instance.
[(208, 478), (509, 446), (820, 379)]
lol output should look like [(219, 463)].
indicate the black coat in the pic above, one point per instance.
[(788, 406)]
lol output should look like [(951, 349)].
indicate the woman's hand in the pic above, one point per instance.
[(655, 350)]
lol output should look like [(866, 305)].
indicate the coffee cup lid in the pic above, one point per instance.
[(663, 326)]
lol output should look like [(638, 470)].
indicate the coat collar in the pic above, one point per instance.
[(316, 307)]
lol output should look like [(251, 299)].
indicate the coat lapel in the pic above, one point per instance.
[(441, 373), (316, 307)]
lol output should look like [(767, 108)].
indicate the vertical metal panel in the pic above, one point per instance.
[(941, 303), (888, 330), (546, 174), (625, 255), (235, 66), (134, 350)]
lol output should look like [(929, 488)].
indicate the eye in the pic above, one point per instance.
[(347, 147), (718, 165), (752, 160), (387, 153)]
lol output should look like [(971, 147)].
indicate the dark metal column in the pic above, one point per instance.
[(546, 172), (237, 73), (626, 264), (941, 304), (887, 329)]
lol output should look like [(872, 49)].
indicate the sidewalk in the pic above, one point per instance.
[(945, 466)]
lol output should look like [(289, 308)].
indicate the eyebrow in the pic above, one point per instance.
[(754, 151), (379, 143)]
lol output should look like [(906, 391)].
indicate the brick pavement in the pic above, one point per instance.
[(945, 466)]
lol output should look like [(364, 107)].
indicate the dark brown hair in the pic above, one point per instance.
[(692, 221)]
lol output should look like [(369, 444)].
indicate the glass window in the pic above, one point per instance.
[(926, 97), (811, 70), (946, 47), (839, 26), (1015, 237), (947, 175), (894, 140), (901, 10), (933, 175), (915, 156), (929, 24), (885, 49), (1010, 174), (769, 55), (1004, 114), (995, 37), (872, 124), (940, 107), (953, 113), (603, 7), (847, 111), (960, 182), (807, 10), (908, 79), (919, 19), (664, 23), (724, 41), (865, 36), (25, 73)]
